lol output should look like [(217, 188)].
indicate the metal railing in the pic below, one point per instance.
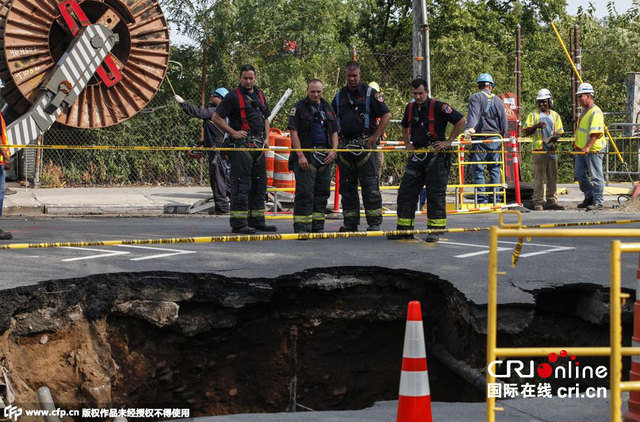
[(615, 351)]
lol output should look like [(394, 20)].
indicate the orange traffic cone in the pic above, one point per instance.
[(414, 400), (633, 413)]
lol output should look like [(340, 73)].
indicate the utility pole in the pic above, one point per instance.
[(420, 42)]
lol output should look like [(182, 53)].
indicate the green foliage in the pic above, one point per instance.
[(467, 37)]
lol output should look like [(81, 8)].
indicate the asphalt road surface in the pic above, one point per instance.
[(460, 258)]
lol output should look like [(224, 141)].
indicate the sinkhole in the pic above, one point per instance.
[(219, 345)]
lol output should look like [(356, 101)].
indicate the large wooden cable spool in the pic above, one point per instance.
[(33, 36)]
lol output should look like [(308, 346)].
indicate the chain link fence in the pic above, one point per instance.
[(163, 123)]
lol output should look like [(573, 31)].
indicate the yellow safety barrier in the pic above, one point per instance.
[(615, 351), (459, 204)]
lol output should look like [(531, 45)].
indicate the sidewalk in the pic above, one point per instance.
[(159, 200)]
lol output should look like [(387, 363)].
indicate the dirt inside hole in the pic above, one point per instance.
[(219, 345)]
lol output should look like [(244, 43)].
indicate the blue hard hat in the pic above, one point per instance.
[(486, 77), (220, 92)]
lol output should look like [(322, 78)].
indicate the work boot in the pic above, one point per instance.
[(586, 203), (373, 228), (400, 236), (348, 229), (554, 206), (595, 207), (8, 191), (243, 230), (265, 228), (317, 230), (302, 232), (5, 235), (432, 237), (538, 207)]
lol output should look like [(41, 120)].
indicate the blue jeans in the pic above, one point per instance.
[(590, 165), (2, 175), (486, 152)]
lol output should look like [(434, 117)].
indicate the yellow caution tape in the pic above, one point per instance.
[(516, 252), (284, 236)]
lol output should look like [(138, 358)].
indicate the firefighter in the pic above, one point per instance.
[(545, 125), (423, 126), (248, 127), (591, 141), (5, 164), (312, 125), (486, 114), (357, 106), (213, 137)]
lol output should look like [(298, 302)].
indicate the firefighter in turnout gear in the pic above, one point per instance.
[(248, 127), (312, 125), (357, 107), (423, 126)]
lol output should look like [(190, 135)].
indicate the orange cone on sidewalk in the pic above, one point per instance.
[(633, 413), (414, 400)]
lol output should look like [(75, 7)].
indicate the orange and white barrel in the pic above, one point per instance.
[(282, 177), (270, 155)]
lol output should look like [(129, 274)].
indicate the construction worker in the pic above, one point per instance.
[(312, 124), (357, 106), (248, 127), (486, 115), (423, 126), (380, 153), (590, 140), (5, 164), (213, 137), (545, 126)]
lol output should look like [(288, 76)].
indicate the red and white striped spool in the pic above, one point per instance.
[(414, 399), (633, 412), (282, 177)]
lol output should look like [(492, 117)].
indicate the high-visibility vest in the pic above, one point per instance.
[(591, 122), (3, 138), (534, 118)]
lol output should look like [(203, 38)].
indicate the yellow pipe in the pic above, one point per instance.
[(492, 316), (615, 329), (630, 385), (514, 352), (581, 81), (569, 233)]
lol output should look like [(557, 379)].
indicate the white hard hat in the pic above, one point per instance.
[(543, 94), (585, 88), (374, 85)]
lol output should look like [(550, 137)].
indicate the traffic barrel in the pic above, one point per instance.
[(270, 155), (282, 177), (633, 412), (414, 399)]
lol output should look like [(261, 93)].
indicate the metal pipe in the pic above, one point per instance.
[(426, 46), (615, 333), (473, 376), (492, 316), (46, 403), (518, 79), (293, 368)]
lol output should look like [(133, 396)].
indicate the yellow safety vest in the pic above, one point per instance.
[(534, 118), (591, 122)]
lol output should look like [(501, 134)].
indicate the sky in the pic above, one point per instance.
[(572, 8), (601, 6)]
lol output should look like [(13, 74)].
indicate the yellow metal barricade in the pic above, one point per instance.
[(615, 351), (464, 167)]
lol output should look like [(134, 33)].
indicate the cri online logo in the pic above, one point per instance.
[(569, 370)]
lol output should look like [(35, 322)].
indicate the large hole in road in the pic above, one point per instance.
[(220, 345)]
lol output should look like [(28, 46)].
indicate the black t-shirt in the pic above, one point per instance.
[(352, 108), (302, 118), (256, 111), (443, 113)]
